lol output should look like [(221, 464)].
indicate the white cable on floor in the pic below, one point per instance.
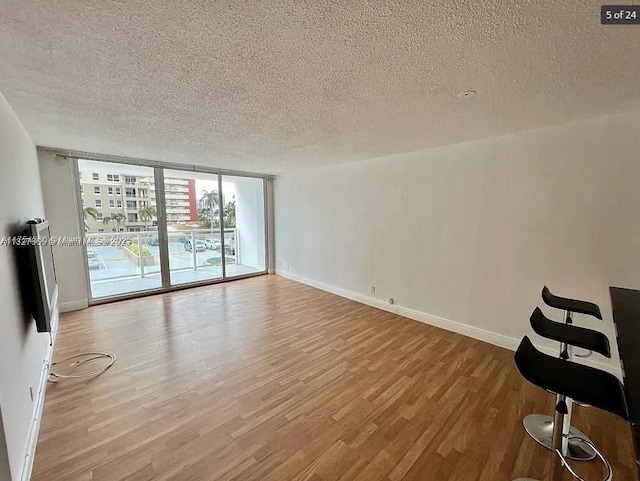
[(93, 356)]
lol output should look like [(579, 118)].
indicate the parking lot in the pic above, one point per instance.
[(114, 263)]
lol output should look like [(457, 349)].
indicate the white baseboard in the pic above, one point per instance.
[(74, 305), (32, 440), (478, 333)]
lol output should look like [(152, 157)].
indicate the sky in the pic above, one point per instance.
[(228, 188)]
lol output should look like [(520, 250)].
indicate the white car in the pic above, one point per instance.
[(93, 260), (200, 245), (212, 244)]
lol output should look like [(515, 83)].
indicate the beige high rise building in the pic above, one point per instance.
[(180, 199), (124, 195)]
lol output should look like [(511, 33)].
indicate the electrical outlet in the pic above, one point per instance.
[(373, 289), (31, 393), (391, 301)]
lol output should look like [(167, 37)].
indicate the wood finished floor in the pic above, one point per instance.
[(267, 379)]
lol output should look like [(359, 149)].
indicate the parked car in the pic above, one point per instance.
[(230, 250), (93, 260), (200, 245), (154, 241), (213, 244)]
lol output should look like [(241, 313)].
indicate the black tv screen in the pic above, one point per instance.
[(43, 273)]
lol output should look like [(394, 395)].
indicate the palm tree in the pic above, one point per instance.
[(118, 217), (147, 214), (107, 220), (210, 200), (89, 212), (230, 214)]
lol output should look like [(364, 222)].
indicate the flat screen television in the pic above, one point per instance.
[(43, 273)]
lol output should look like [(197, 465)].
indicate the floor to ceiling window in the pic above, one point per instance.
[(153, 228), (118, 208), (193, 227)]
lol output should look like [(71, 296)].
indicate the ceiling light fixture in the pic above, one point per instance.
[(466, 94)]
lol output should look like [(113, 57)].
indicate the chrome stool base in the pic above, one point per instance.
[(540, 428)]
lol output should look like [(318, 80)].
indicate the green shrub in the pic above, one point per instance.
[(136, 249)]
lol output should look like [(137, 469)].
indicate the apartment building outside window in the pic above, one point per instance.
[(208, 237)]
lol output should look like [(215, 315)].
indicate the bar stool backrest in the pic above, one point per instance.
[(570, 305), (579, 382), (570, 334)]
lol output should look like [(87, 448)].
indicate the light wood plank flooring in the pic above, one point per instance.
[(267, 379)]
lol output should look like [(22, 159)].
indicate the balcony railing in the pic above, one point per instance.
[(130, 261)]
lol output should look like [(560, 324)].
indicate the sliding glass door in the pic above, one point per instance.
[(119, 217), (152, 228), (193, 226)]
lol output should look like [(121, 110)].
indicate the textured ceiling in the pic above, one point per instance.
[(279, 85)]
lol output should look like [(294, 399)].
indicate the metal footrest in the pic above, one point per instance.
[(608, 476), (565, 464)]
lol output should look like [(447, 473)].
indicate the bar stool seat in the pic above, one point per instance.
[(569, 380), (570, 334), (570, 305)]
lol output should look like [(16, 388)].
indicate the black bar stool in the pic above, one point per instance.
[(570, 381), (540, 426), (570, 334), (570, 305)]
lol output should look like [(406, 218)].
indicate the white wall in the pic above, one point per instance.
[(59, 193), (22, 349), (471, 232), (250, 222)]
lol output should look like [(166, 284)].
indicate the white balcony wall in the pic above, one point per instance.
[(250, 223)]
